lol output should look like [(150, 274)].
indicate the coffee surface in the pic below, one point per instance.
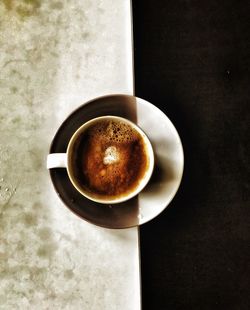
[(111, 159)]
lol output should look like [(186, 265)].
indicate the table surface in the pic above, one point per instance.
[(54, 56), (192, 60)]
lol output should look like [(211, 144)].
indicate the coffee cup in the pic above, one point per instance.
[(108, 159)]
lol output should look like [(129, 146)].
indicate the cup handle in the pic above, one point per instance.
[(57, 160)]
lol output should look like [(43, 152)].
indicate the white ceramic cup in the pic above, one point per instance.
[(64, 160)]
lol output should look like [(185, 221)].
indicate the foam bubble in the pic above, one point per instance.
[(114, 131)]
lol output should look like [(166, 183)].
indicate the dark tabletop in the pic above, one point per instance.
[(192, 60)]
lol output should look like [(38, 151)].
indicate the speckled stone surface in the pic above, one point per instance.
[(55, 55)]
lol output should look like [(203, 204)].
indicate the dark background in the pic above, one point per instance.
[(192, 60)]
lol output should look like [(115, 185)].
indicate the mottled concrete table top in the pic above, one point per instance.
[(55, 55)]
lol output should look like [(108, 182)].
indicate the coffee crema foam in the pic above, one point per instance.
[(111, 159)]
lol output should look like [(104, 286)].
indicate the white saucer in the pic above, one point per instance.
[(168, 170), (169, 160)]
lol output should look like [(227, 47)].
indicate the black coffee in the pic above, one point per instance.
[(110, 159)]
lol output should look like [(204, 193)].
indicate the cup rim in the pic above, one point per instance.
[(144, 180)]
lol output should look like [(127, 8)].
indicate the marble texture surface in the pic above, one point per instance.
[(54, 55)]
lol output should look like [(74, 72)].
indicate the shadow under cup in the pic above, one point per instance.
[(110, 160)]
